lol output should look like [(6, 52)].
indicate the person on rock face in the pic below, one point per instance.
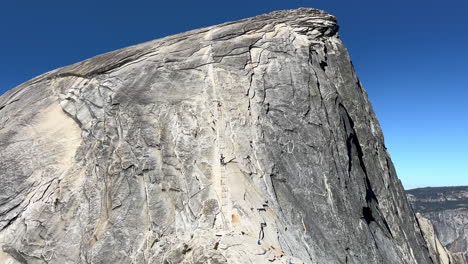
[(261, 234)]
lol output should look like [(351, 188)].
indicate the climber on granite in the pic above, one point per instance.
[(261, 234)]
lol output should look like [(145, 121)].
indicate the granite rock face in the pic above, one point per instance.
[(447, 209), (451, 226), (433, 243), (247, 142)]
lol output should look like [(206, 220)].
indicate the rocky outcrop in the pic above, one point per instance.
[(435, 247), (447, 209), (452, 229), (247, 142)]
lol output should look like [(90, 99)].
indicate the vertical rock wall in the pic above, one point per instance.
[(248, 142)]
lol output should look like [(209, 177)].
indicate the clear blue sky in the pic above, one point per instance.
[(412, 57)]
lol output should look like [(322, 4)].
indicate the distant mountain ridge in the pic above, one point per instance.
[(431, 199), (447, 208)]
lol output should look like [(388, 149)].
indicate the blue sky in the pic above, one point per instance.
[(411, 56)]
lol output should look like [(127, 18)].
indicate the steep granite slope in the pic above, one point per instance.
[(447, 209), (433, 243), (247, 142)]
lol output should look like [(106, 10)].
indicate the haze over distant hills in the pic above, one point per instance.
[(432, 199)]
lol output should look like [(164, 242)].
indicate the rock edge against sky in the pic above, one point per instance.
[(248, 142)]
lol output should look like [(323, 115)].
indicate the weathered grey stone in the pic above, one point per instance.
[(452, 229), (447, 209), (247, 142), (436, 249)]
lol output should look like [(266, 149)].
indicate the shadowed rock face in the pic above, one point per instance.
[(247, 142), (447, 209), (436, 248)]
